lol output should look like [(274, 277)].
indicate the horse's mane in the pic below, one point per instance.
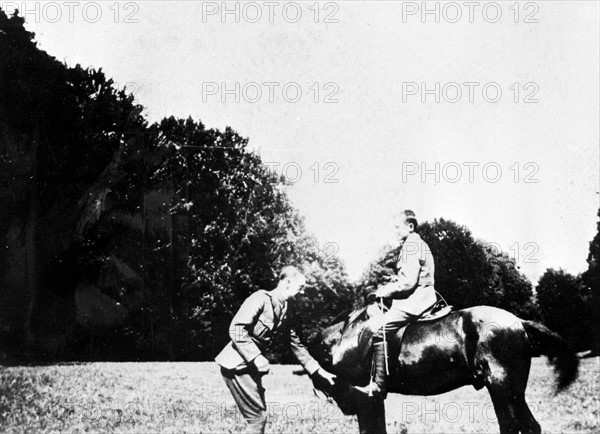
[(360, 305), (342, 316), (343, 320)]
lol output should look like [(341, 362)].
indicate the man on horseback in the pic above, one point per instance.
[(252, 329), (413, 293)]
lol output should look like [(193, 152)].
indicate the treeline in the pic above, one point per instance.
[(571, 304), (124, 240)]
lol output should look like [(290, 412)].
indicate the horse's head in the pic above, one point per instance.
[(335, 349)]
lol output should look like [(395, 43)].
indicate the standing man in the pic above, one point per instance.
[(252, 328), (413, 293)]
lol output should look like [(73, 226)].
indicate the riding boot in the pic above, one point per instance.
[(377, 387)]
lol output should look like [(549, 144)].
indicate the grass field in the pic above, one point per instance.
[(191, 397)]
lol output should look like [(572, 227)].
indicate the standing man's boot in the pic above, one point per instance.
[(377, 387)]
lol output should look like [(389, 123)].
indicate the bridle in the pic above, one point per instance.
[(335, 331)]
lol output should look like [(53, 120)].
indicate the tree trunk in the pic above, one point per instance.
[(31, 245)]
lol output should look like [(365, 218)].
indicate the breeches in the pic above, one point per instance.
[(389, 323), (249, 395)]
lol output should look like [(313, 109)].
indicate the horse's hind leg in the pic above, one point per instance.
[(506, 384), (513, 413), (528, 423), (506, 371), (506, 411)]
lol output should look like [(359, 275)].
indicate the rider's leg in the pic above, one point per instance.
[(394, 319)]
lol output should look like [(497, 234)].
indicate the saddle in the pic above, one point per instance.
[(438, 310)]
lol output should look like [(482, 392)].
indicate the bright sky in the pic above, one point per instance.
[(376, 137)]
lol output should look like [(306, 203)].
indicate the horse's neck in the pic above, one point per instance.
[(342, 323), (344, 353), (333, 330)]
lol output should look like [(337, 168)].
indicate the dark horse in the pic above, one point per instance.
[(480, 346)]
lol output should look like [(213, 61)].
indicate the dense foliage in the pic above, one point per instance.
[(59, 128), (571, 304), (591, 279), (127, 240), (564, 304)]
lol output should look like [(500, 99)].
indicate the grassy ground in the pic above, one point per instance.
[(191, 397)]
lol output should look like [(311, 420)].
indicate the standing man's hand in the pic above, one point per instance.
[(262, 364), (328, 377), (323, 380)]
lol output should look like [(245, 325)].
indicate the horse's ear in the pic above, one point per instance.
[(313, 336), (370, 297)]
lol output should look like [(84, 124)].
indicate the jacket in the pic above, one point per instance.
[(252, 330), (414, 285)]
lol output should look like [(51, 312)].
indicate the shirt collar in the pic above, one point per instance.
[(279, 300)]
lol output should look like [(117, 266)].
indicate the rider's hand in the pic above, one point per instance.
[(262, 364), (384, 291)]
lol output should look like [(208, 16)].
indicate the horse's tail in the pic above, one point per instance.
[(545, 341)]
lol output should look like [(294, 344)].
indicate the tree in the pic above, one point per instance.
[(59, 128), (564, 305), (591, 278), (186, 226), (507, 287), (174, 223)]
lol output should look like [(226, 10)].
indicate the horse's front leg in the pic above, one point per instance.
[(371, 416)]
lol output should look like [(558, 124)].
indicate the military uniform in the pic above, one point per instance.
[(413, 287), (413, 294), (251, 332)]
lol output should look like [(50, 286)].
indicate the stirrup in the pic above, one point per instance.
[(371, 390)]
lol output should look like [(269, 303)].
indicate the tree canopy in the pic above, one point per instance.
[(170, 225), (563, 301), (591, 279)]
